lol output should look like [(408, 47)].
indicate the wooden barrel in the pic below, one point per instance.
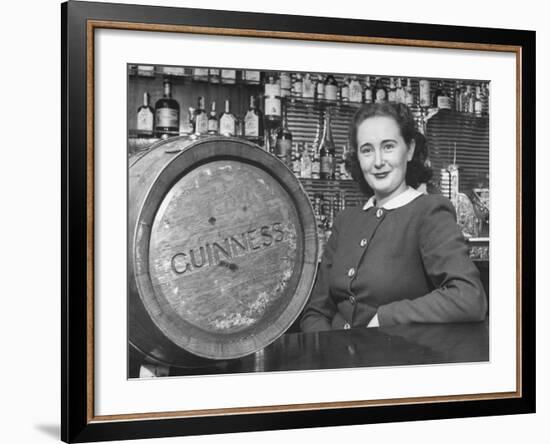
[(222, 249)]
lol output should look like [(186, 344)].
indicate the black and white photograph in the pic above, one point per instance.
[(299, 221)]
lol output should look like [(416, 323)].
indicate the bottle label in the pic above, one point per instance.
[(212, 126), (283, 148), (297, 167), (355, 92), (200, 72), (444, 102), (297, 88), (320, 90), (326, 165), (272, 89), (409, 98), (344, 93), (201, 124), (272, 106), (252, 76), (167, 118), (227, 125), (251, 126), (285, 81), (145, 120), (478, 107), (331, 92), (381, 95), (315, 169), (392, 97), (229, 74)]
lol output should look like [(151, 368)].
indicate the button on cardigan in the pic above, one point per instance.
[(413, 267)]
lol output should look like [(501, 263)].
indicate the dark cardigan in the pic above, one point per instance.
[(408, 264)]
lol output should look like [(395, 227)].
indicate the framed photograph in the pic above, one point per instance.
[(275, 221)]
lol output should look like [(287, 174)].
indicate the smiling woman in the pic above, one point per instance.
[(401, 258)]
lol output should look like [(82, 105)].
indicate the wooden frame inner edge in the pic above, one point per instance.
[(90, 28)]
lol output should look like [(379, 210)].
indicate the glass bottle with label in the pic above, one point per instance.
[(441, 99), (344, 174), (213, 123), (228, 122), (188, 126), (470, 100), (286, 84), (399, 91), (272, 99), (319, 88), (214, 75), (297, 86), (458, 96), (392, 91), (424, 94), (380, 92), (327, 150), (344, 90), (409, 96), (308, 87), (305, 164), (167, 113), (367, 92), (229, 76), (355, 90), (331, 88), (201, 118), (478, 104), (283, 144), (145, 118), (253, 123), (485, 99)]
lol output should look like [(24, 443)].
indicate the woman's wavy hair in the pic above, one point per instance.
[(418, 169)]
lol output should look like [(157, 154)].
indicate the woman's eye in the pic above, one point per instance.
[(389, 146), (366, 149)]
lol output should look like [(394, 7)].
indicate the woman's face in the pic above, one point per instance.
[(383, 156)]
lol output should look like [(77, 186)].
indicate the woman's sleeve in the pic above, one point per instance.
[(458, 295), (320, 309)]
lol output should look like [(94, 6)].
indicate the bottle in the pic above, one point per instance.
[(319, 88), (283, 144), (228, 122), (380, 92), (229, 76), (458, 96), (424, 93), (327, 150), (251, 77), (286, 84), (344, 174), (315, 163), (167, 113), (145, 118), (297, 86), (368, 93), (297, 149), (355, 90), (200, 74), (399, 92), (308, 87), (188, 126), (392, 92), (253, 123), (214, 75), (201, 118), (213, 125), (478, 105), (344, 90), (471, 100), (306, 164), (272, 99), (409, 96), (485, 99), (441, 99), (331, 88)]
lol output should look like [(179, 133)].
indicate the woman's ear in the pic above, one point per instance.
[(410, 152)]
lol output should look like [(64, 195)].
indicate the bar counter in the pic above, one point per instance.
[(412, 344)]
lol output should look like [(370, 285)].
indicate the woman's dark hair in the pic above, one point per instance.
[(418, 169)]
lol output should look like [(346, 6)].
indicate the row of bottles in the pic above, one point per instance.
[(315, 160)]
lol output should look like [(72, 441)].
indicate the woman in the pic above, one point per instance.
[(401, 258)]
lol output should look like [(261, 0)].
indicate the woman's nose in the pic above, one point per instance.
[(378, 159)]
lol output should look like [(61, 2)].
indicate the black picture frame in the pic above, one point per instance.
[(78, 423)]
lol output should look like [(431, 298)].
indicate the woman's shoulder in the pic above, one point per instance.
[(433, 202)]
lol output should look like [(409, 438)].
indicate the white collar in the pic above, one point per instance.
[(400, 200)]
